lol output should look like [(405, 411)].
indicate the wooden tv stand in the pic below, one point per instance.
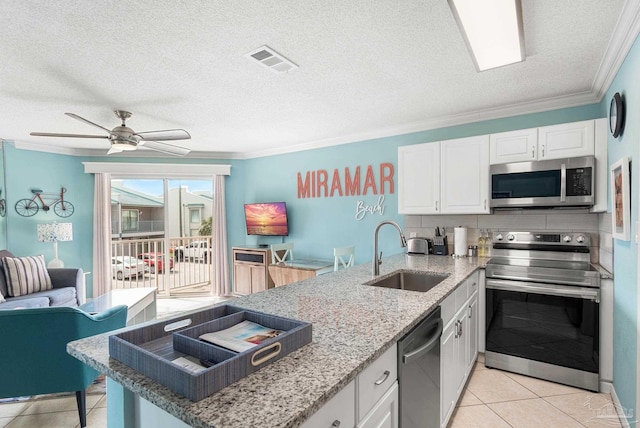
[(250, 270)]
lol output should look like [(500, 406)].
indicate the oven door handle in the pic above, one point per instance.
[(556, 290)]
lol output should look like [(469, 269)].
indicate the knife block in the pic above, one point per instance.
[(440, 245)]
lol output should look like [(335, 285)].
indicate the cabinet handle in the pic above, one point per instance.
[(436, 205), (458, 329), (533, 152), (542, 151), (485, 204), (470, 311), (382, 378), (335, 424)]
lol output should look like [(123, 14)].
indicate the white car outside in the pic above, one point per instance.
[(127, 267), (196, 250)]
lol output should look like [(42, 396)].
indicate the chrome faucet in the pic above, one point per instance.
[(377, 260)]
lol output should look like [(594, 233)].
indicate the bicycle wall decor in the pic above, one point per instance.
[(29, 206)]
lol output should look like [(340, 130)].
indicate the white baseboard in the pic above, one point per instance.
[(618, 406), (606, 387)]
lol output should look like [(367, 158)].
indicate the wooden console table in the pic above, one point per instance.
[(297, 270), (250, 273)]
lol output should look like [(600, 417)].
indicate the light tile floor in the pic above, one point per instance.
[(492, 398), (495, 398)]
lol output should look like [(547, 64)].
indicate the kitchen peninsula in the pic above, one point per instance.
[(353, 325)]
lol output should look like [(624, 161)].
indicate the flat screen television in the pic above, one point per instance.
[(268, 218)]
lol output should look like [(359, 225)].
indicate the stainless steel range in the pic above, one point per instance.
[(542, 298)]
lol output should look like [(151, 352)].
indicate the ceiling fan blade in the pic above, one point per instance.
[(169, 149), (164, 135), (113, 150), (51, 134), (82, 119)]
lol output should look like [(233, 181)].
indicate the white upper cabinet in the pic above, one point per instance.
[(452, 176), (566, 140), (448, 177), (419, 178), (513, 146), (464, 186)]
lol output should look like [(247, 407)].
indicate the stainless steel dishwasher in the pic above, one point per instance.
[(419, 374)]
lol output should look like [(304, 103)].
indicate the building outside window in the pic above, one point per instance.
[(130, 220)]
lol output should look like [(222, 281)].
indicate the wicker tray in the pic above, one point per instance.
[(150, 349)]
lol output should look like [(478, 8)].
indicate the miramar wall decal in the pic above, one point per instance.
[(316, 184)]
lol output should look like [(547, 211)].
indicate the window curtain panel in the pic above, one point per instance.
[(219, 231), (101, 234)]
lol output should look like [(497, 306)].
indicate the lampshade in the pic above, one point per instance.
[(53, 232)]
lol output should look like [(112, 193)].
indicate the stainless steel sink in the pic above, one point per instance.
[(409, 280)]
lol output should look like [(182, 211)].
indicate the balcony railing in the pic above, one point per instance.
[(180, 268), (142, 226)]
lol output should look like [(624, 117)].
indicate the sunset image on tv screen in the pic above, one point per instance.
[(266, 219)]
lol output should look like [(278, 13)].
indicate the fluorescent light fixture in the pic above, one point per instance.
[(492, 29)]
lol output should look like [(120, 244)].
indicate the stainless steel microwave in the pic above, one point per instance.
[(547, 183)]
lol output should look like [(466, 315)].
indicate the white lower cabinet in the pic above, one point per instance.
[(370, 400), (384, 413), (448, 371), (458, 344), (337, 412)]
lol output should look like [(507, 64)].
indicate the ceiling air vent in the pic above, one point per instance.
[(271, 59)]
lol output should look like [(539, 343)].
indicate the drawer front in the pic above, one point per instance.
[(448, 308), (374, 381), (473, 284), (340, 408), (462, 293)]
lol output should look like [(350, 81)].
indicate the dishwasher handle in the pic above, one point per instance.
[(433, 341)]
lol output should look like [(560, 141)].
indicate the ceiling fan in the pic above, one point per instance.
[(124, 138)]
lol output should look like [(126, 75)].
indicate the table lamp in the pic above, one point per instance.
[(53, 233)]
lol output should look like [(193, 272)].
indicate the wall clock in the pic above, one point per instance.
[(616, 115)]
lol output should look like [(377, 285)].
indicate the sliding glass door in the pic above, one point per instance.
[(161, 235)]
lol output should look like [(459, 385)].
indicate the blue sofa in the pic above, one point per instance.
[(68, 289)]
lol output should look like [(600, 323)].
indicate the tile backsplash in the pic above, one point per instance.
[(579, 220)]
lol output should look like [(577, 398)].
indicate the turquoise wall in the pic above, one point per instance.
[(316, 224), (27, 169), (625, 320), (49, 172), (319, 224)]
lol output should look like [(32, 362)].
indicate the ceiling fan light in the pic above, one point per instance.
[(492, 30), (125, 146)]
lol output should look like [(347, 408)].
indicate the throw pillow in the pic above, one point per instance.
[(26, 275)]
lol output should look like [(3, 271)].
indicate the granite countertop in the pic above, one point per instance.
[(353, 324)]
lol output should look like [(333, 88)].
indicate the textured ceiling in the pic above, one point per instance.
[(366, 69)]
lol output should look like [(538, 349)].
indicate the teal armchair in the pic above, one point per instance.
[(34, 350)]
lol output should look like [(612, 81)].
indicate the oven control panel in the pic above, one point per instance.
[(579, 239)]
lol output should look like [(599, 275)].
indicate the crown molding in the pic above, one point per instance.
[(528, 107), (133, 154), (624, 35)]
